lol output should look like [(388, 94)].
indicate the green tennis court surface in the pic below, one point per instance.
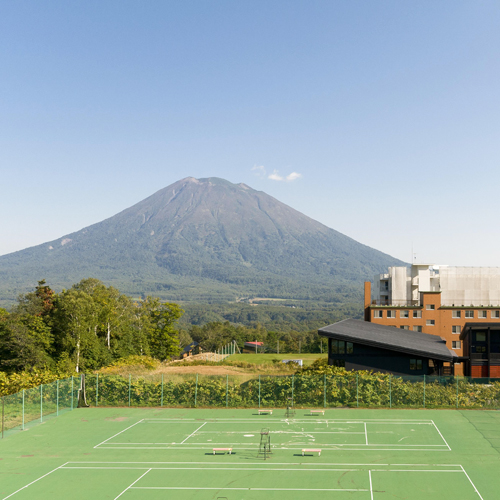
[(168, 453)]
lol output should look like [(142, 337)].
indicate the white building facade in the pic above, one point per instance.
[(459, 286)]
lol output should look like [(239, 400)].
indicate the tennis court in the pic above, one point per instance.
[(157, 453)]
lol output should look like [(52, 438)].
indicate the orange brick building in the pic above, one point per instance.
[(428, 315)]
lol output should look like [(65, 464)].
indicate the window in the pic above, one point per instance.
[(480, 336), (456, 314), (391, 314), (341, 347), (455, 344), (469, 314), (404, 327), (482, 314), (417, 328), (430, 322), (415, 364), (417, 314), (495, 314), (430, 307), (378, 314), (456, 329), (404, 314)]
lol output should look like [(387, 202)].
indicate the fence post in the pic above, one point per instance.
[(41, 402), (357, 390), (227, 388), (71, 391), (23, 409), (293, 383), (424, 391), (324, 391), (457, 389), (259, 391), (196, 391), (57, 397), (390, 390), (129, 387), (97, 389), (161, 403)]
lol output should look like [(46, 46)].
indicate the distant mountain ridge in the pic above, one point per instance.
[(206, 240)]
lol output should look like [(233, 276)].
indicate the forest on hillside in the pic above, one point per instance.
[(91, 325)]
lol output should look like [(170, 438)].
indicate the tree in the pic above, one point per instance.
[(163, 338)]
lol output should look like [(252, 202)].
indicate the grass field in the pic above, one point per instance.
[(149, 454), (307, 358)]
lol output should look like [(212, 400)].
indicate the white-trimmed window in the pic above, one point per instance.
[(469, 314), (405, 327), (456, 329), (378, 313), (417, 328), (404, 314), (391, 313), (456, 344), (430, 322), (482, 314), (430, 307), (495, 314), (417, 314), (456, 314)]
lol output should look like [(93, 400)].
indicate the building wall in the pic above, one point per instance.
[(443, 317), (379, 360)]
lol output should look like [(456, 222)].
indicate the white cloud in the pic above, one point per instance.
[(260, 170), (275, 176), (294, 175)]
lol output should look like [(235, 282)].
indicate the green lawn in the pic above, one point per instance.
[(260, 359)]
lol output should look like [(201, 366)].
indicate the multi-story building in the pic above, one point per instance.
[(439, 300)]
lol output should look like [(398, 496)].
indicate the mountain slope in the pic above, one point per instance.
[(203, 239)]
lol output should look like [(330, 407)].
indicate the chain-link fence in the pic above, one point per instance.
[(306, 391), (35, 405), (354, 390)]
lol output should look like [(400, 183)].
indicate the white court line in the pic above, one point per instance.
[(238, 489), (361, 448), (259, 463), (298, 420), (126, 489), (118, 433), (266, 469), (440, 434), (210, 443), (366, 435), (475, 489), (371, 486), (32, 482), (193, 433)]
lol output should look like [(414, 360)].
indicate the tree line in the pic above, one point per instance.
[(91, 325), (84, 328)]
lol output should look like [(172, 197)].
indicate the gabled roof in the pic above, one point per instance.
[(388, 337), (190, 347)]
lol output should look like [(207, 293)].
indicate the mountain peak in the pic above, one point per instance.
[(202, 234)]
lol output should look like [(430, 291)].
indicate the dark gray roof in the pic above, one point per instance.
[(388, 337)]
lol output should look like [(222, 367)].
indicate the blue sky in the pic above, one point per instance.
[(386, 114)]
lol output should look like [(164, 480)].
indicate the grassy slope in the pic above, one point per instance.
[(307, 358)]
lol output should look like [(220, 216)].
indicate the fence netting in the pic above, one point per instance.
[(38, 404), (302, 391), (354, 390)]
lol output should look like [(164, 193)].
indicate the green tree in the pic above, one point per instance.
[(163, 338)]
